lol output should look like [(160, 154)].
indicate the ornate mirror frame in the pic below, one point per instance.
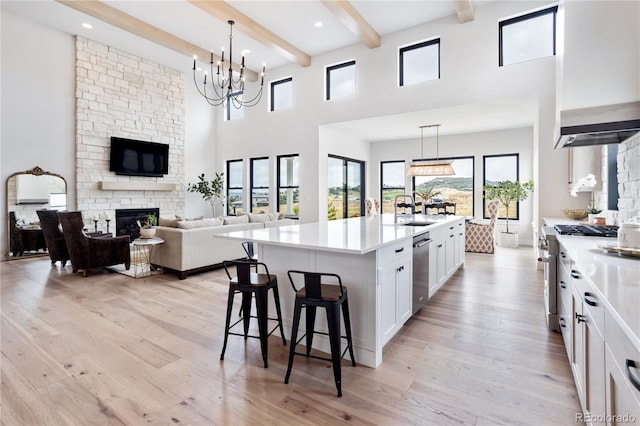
[(12, 204)]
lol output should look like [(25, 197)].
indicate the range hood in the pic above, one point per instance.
[(598, 125)]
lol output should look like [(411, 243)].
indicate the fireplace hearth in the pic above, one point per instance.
[(126, 221)]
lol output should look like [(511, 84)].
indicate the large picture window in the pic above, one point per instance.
[(288, 185), (419, 62), (456, 189), (281, 94), (498, 168), (234, 187), (527, 37), (392, 183), (341, 80), (231, 112), (346, 187), (259, 185)]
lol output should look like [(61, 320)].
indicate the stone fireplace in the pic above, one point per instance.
[(126, 221)]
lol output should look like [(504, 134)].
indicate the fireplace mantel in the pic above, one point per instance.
[(136, 186)]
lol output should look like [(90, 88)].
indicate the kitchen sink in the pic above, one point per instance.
[(416, 223)]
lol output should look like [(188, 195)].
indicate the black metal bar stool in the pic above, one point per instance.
[(252, 283), (315, 294)]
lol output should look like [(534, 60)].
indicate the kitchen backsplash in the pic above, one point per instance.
[(629, 178)]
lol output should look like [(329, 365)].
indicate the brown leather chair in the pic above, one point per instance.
[(88, 252), (53, 235)]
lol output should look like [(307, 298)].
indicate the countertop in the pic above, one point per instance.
[(616, 277), (358, 235)]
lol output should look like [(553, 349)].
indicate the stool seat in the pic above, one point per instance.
[(252, 284), (333, 298)]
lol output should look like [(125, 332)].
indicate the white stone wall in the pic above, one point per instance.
[(118, 94), (629, 178)]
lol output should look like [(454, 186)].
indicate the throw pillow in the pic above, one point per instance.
[(202, 223), (274, 216), (232, 220), (258, 217)]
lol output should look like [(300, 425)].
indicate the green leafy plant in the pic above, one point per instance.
[(507, 192), (149, 221), (427, 191), (211, 191)]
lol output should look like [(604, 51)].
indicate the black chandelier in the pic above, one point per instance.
[(227, 89)]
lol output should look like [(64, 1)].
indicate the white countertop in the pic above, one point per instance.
[(355, 236), (616, 277)]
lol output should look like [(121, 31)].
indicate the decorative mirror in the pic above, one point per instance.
[(27, 192)]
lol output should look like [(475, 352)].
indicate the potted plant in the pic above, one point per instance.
[(147, 226), (427, 192), (211, 191), (507, 192)]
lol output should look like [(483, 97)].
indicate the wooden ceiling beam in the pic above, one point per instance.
[(225, 12), (117, 18), (352, 19), (464, 9)]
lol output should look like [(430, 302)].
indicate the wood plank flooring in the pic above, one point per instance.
[(112, 350)]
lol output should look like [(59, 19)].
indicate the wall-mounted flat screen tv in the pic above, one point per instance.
[(138, 158)]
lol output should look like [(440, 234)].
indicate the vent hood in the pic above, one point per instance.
[(598, 125)]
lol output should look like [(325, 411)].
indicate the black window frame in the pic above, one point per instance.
[(241, 188), (272, 85), (279, 186), (227, 112), (415, 47), (345, 198), (484, 182), (501, 24), (251, 186), (328, 75), (382, 187)]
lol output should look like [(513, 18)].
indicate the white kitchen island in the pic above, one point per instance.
[(373, 256)]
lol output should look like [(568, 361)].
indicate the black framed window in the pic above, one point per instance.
[(233, 110), (419, 62), (341, 80), (289, 185), (281, 94), (234, 187), (392, 183), (346, 187), (458, 189), (499, 168), (259, 178), (527, 37)]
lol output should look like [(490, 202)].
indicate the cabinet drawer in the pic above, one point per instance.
[(592, 307), (395, 251), (621, 347), (564, 259)]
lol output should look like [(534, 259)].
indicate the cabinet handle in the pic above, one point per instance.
[(400, 269), (634, 381), (575, 274), (439, 245), (451, 236), (581, 318), (563, 284), (562, 255), (588, 301), (563, 322), (399, 250), (451, 227)]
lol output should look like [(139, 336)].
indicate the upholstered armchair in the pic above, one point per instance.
[(371, 207), (88, 252), (480, 237), (56, 244)]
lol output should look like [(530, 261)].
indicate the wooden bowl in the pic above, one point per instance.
[(576, 214)]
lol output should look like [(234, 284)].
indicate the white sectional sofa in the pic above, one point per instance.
[(189, 245)]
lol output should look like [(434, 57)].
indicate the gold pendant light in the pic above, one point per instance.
[(435, 167)]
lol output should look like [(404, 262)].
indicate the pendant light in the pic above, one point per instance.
[(435, 167)]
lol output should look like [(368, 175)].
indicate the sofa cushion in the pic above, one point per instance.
[(178, 217), (202, 223), (232, 220), (274, 216), (168, 222), (258, 217)]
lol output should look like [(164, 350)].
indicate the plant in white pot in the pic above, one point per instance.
[(211, 191), (147, 226), (508, 192)]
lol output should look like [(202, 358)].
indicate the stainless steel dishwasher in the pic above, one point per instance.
[(420, 271)]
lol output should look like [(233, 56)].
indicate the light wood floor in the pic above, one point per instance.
[(109, 350)]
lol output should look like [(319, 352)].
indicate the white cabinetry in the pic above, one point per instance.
[(447, 253), (394, 288)]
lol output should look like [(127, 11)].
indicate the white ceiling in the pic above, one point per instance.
[(294, 22)]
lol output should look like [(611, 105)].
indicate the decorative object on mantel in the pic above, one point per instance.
[(589, 181), (435, 167), (147, 227), (227, 90), (507, 192), (211, 191)]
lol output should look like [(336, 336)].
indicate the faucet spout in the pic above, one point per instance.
[(403, 205)]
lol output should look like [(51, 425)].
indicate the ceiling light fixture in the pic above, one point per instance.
[(318, 24), (227, 89), (435, 167), (87, 25)]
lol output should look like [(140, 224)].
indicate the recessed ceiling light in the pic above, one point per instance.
[(245, 52), (318, 24), (87, 25)]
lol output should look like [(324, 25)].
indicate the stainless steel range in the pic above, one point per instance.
[(548, 252)]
